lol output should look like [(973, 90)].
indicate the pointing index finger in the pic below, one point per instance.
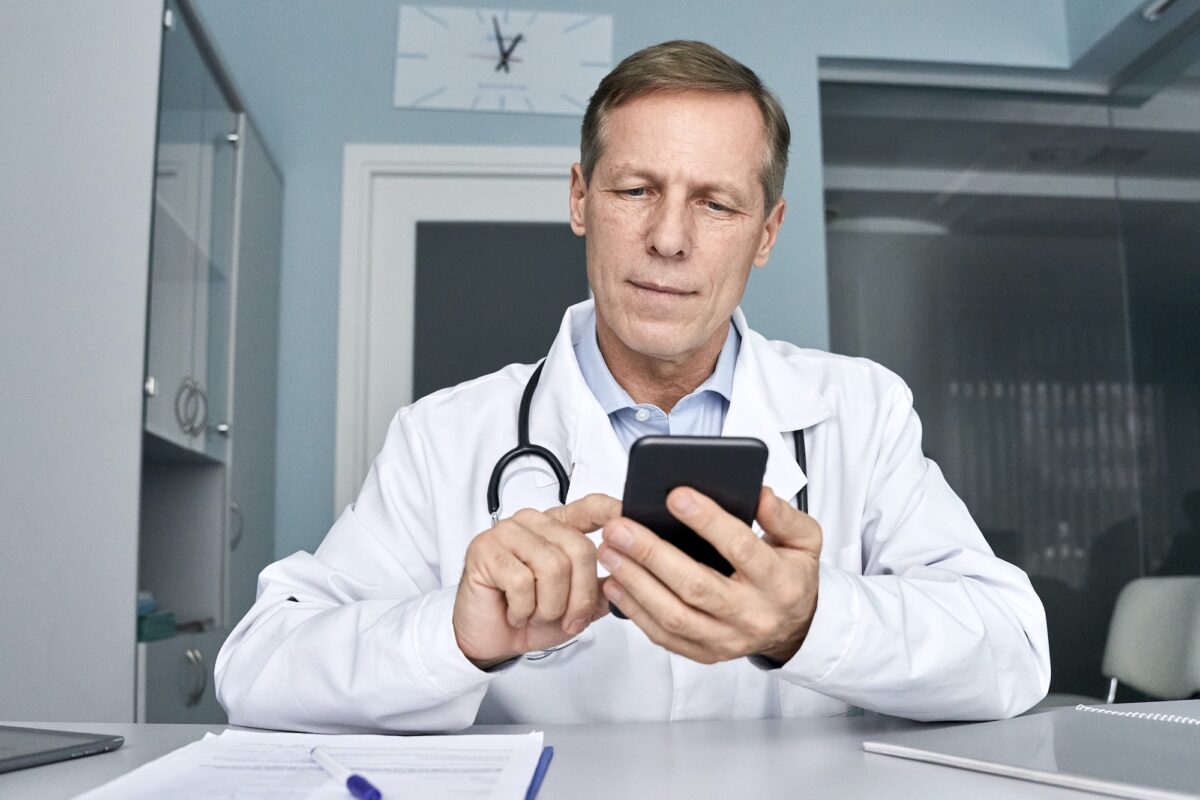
[(588, 513)]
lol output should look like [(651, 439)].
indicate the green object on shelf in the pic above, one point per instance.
[(155, 625)]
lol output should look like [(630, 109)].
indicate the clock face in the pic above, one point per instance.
[(494, 59)]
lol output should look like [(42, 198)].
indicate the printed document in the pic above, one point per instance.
[(251, 765)]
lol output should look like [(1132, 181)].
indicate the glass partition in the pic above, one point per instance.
[(1027, 263)]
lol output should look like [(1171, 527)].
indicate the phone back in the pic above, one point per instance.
[(727, 469)]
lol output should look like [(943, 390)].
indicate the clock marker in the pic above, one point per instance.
[(426, 12), (578, 25), (427, 96)]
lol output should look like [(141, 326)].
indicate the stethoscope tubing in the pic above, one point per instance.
[(525, 448)]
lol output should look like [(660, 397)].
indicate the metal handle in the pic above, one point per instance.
[(200, 673), (223, 428), (201, 420), (150, 387), (191, 407), (236, 511), (233, 138), (185, 405), (191, 655)]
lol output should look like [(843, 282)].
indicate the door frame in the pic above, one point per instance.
[(443, 181)]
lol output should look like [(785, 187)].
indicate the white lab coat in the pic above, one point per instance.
[(915, 616)]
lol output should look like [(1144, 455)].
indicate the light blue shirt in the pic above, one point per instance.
[(701, 413)]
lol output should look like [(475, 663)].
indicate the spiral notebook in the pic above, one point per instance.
[(1138, 750)]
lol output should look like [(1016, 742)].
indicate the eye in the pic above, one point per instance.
[(637, 191), (712, 205)]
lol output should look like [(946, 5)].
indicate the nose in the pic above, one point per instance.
[(669, 229)]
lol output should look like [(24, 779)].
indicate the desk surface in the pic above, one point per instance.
[(818, 757)]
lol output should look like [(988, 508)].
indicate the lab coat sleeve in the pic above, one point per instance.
[(358, 637), (935, 627)]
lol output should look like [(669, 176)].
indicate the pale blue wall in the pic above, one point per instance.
[(317, 75)]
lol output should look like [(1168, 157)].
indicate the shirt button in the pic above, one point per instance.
[(642, 415)]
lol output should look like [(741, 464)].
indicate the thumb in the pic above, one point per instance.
[(787, 527)]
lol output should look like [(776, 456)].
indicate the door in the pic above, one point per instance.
[(455, 261)]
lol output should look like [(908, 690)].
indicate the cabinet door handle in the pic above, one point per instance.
[(201, 421), (199, 676), (191, 407), (186, 405), (236, 511)]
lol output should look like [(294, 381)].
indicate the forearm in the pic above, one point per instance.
[(370, 665), (931, 644)]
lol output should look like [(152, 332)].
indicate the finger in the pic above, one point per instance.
[(638, 615), (698, 585), (588, 513), (733, 538), (785, 526), (511, 576), (664, 608), (583, 590), (550, 566)]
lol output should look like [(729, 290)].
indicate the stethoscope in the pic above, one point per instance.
[(526, 448)]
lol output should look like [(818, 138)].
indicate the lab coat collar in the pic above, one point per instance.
[(771, 398)]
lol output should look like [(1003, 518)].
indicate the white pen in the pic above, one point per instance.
[(358, 786)]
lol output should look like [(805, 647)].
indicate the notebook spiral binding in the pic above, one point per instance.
[(1179, 718)]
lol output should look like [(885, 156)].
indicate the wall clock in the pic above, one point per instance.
[(495, 59)]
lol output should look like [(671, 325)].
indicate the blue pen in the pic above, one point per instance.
[(359, 786)]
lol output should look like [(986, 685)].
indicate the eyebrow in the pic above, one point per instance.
[(630, 170)]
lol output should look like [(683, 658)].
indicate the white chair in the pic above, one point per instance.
[(1154, 638)]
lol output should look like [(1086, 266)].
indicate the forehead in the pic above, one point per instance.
[(707, 135)]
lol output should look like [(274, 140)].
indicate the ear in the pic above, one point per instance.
[(769, 233), (578, 200)]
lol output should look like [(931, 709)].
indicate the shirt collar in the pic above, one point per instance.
[(612, 397)]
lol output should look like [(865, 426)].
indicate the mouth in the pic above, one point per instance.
[(648, 286)]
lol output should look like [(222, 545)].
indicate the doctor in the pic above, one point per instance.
[(417, 614)]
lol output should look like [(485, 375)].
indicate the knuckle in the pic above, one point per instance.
[(581, 550), (674, 623), (522, 580), (526, 516), (743, 549), (697, 591)]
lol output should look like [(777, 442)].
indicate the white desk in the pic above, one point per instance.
[(754, 759)]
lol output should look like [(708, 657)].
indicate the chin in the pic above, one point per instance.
[(657, 339)]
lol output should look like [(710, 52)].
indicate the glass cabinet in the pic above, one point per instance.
[(192, 251)]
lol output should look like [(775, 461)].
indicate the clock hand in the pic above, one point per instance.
[(499, 41), (504, 55)]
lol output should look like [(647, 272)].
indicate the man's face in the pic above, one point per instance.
[(674, 218)]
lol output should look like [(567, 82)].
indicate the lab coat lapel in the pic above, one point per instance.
[(772, 398), (566, 417)]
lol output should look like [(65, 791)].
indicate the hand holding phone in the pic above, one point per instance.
[(727, 469)]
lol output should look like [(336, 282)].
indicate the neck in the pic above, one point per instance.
[(660, 381)]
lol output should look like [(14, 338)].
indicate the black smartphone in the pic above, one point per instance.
[(728, 469)]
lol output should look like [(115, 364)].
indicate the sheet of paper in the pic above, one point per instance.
[(249, 765)]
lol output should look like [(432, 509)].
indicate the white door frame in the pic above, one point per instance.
[(425, 183)]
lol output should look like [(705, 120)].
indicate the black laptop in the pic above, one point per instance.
[(29, 747)]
